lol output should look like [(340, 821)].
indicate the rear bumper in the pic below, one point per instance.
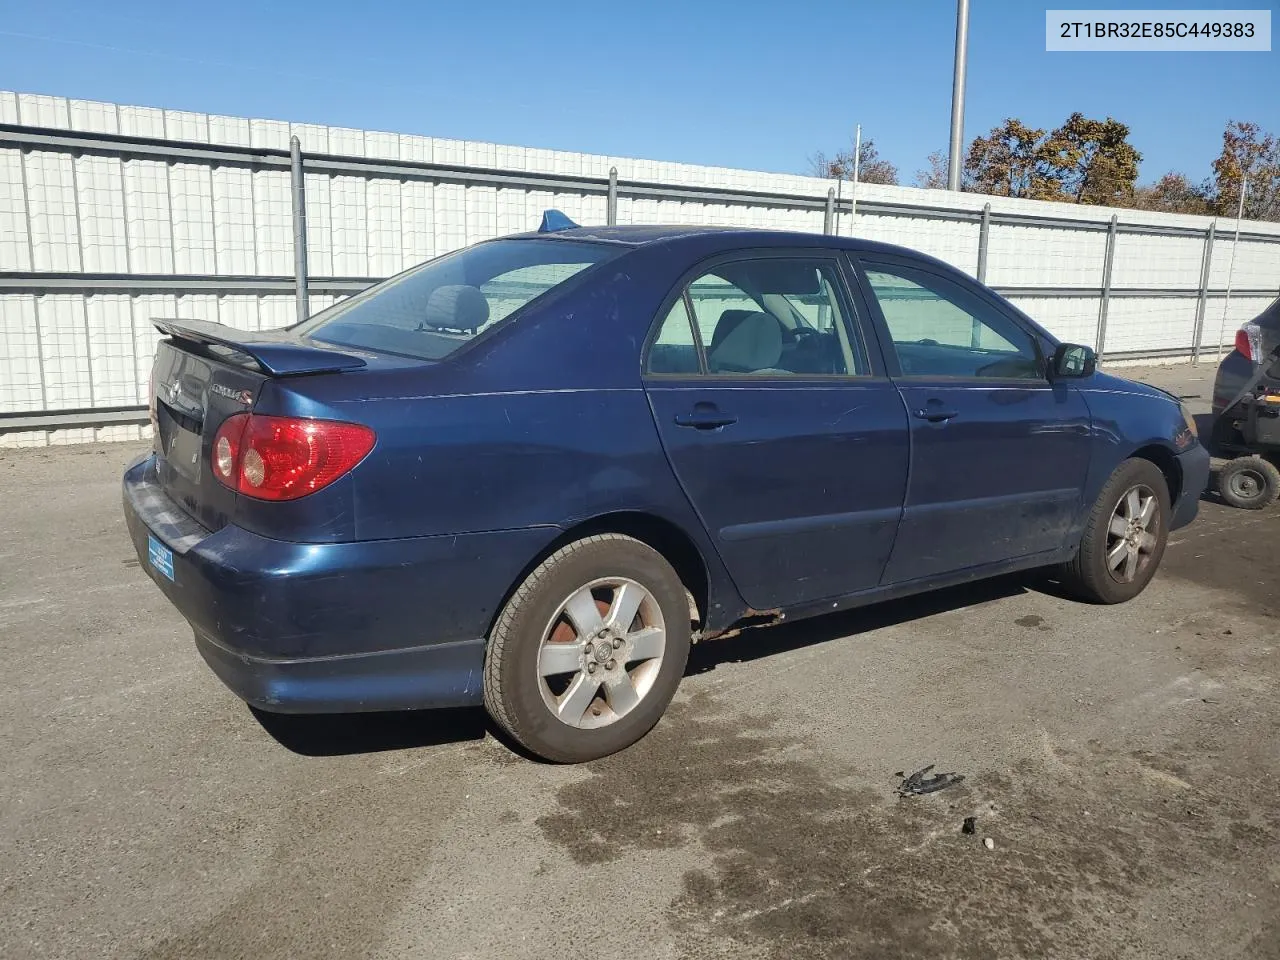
[(438, 675), (1194, 466), (335, 627)]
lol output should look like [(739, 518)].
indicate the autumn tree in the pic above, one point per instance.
[(935, 178), (1173, 193), (1015, 160), (871, 167), (1093, 159), (1248, 153)]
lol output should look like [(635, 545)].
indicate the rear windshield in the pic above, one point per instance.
[(433, 309)]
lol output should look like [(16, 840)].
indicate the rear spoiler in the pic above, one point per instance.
[(277, 352)]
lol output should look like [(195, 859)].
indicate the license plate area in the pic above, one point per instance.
[(160, 557), (180, 442)]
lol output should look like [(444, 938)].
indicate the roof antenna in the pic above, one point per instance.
[(554, 220)]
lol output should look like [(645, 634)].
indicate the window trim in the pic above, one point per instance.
[(853, 324), (862, 262)]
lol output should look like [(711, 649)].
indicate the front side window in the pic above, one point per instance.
[(765, 317), (432, 310), (940, 330)]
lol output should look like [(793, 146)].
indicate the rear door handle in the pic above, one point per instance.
[(938, 414), (704, 419)]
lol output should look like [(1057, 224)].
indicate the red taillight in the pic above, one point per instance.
[(225, 455), (284, 458), (1244, 344)]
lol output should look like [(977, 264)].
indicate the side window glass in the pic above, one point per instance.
[(712, 296), (939, 330), (673, 350), (776, 316)]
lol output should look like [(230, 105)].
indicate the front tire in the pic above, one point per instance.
[(1124, 537), (1249, 483), (588, 652)]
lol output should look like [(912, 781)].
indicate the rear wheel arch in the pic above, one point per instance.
[(667, 538)]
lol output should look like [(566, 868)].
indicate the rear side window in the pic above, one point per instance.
[(769, 316), (940, 330), (433, 309), (674, 349)]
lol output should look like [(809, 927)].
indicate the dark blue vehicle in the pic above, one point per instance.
[(528, 474)]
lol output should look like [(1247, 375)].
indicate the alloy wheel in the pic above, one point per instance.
[(1131, 533), (601, 652)]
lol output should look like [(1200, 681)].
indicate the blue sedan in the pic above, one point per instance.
[(531, 473)]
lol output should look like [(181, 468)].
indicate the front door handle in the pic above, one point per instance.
[(936, 413), (704, 419)]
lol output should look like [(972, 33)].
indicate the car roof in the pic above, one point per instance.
[(726, 238)]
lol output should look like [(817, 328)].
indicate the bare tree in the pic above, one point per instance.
[(935, 178), (871, 167)]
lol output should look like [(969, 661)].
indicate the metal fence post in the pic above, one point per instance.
[(1203, 301), (611, 205), (829, 220), (984, 230), (299, 230), (1106, 286), (88, 338)]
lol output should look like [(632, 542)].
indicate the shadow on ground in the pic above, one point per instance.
[(332, 735), (328, 735), (753, 644)]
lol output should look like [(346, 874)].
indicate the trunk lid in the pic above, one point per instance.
[(203, 374)]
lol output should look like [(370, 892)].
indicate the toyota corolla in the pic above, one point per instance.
[(529, 474)]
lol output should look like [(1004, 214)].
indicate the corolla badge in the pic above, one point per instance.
[(244, 397)]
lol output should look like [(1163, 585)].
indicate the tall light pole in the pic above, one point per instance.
[(957, 94)]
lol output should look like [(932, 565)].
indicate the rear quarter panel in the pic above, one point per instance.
[(539, 423), (461, 464)]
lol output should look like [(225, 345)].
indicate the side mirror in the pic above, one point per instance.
[(1073, 360)]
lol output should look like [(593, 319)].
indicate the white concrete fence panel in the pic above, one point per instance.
[(111, 215)]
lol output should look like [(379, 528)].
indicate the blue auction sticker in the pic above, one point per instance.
[(161, 557)]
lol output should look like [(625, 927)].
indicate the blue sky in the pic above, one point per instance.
[(750, 84)]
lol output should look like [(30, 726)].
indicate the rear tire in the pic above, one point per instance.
[(588, 652), (1124, 536), (1249, 483)]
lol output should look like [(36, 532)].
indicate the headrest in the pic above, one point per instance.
[(456, 306), (728, 320), (745, 341)]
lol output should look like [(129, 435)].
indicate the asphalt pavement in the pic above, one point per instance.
[(1123, 762)]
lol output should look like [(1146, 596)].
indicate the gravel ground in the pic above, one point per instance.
[(1123, 762)]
